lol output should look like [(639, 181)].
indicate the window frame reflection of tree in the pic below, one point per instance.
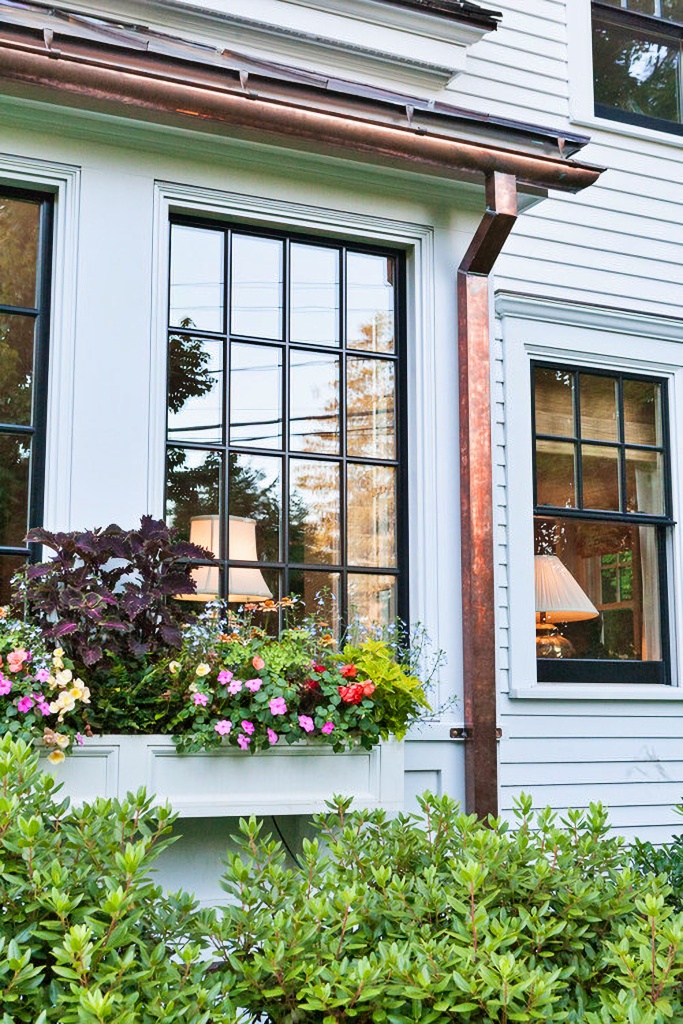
[(17, 499), (229, 475), (655, 101), (579, 533)]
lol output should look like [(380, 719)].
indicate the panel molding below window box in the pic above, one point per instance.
[(295, 779)]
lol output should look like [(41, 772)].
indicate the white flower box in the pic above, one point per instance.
[(284, 780)]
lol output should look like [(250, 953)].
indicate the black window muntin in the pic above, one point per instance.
[(285, 567), (584, 670), (36, 431), (647, 26)]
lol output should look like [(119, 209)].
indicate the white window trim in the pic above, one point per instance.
[(591, 336), (580, 68), (417, 241), (62, 181)]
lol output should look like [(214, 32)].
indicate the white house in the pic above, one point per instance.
[(347, 205)]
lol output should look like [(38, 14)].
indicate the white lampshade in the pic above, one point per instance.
[(244, 584), (558, 596)]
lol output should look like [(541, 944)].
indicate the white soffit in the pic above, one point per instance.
[(371, 41)]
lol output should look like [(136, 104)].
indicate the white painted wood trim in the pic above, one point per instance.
[(586, 336), (295, 779), (63, 181), (417, 240)]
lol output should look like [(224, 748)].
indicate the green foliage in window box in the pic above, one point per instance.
[(85, 936), (446, 919)]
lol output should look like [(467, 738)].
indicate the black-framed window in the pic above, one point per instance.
[(638, 62), (25, 272), (286, 417), (602, 514)]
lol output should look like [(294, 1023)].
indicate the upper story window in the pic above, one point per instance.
[(25, 264), (285, 443), (637, 65), (601, 517)]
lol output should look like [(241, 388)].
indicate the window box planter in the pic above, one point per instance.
[(294, 779)]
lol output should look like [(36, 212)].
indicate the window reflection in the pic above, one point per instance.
[(314, 294), (256, 493), (314, 402), (193, 486), (256, 287), (372, 599), (314, 512), (19, 239), (16, 369), (195, 389), (370, 302), (15, 460), (370, 412), (256, 396), (196, 297), (371, 497)]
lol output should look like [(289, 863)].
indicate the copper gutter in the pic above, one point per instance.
[(139, 84), (476, 496)]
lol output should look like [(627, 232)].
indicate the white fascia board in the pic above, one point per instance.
[(410, 48)]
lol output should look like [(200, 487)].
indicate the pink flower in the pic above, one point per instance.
[(24, 704), (223, 727), (258, 662), (254, 685), (328, 728), (306, 723), (235, 686), (272, 737), (42, 675), (15, 659), (277, 706), (225, 676), (248, 727), (5, 685), (244, 741), (44, 708), (79, 739), (200, 699)]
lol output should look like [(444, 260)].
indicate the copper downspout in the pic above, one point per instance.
[(142, 85), (476, 496)]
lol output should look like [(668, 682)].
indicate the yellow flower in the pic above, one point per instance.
[(203, 669), (62, 741), (65, 702), (57, 663), (64, 677), (174, 667), (79, 691), (59, 652), (56, 757)]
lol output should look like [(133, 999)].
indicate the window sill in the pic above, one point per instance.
[(596, 691), (632, 131)]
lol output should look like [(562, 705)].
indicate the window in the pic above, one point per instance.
[(637, 66), (285, 450), (25, 262), (601, 516)]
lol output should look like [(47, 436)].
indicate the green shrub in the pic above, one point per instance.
[(663, 860), (85, 936), (445, 919)]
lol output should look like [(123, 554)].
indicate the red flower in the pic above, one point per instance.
[(348, 671), (368, 689), (351, 694), (319, 669), (312, 684)]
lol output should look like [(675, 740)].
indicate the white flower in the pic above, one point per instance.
[(174, 667), (56, 757), (64, 677), (203, 669)]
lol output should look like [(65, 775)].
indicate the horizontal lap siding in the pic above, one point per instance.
[(619, 244)]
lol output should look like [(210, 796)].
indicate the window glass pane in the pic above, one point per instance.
[(636, 71), (314, 402), (556, 474), (370, 302), (15, 460), (256, 396), (599, 397), (642, 412), (256, 287), (314, 313), (9, 564), (372, 599), (247, 586), (600, 468), (616, 567), (314, 533), (19, 236), (196, 278), (645, 482), (370, 408), (371, 514), (554, 401), (320, 594), (16, 369), (255, 497), (195, 389), (193, 488), (672, 10)]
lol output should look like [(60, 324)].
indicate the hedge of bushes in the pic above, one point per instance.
[(433, 920)]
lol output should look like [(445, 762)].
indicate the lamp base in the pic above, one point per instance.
[(550, 643)]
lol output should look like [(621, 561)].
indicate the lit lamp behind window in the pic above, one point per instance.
[(559, 598), (244, 584)]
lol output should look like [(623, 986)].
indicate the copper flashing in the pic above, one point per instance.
[(153, 87), (476, 496)]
